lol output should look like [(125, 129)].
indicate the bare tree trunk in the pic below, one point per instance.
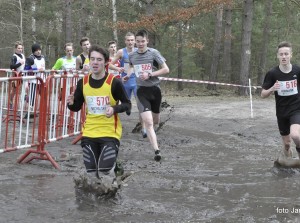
[(68, 20), (79, 23), (82, 29), (150, 12), (246, 45), (227, 43), (264, 48), (21, 21), (114, 10), (217, 47), (179, 55), (33, 21)]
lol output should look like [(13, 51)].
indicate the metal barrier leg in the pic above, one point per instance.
[(44, 155), (77, 139)]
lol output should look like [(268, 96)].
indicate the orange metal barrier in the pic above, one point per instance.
[(35, 112), (9, 89), (18, 130), (60, 121)]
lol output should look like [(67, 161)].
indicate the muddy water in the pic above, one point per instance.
[(217, 167)]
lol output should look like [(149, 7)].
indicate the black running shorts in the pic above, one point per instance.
[(284, 123), (149, 99)]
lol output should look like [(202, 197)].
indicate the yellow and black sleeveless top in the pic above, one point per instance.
[(97, 100), (85, 60)]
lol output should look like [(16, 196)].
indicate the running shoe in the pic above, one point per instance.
[(31, 115), (108, 181), (144, 133), (157, 156), (288, 153), (119, 170)]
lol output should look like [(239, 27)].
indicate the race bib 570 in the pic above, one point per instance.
[(97, 104)]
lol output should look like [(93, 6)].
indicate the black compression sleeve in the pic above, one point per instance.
[(78, 97)]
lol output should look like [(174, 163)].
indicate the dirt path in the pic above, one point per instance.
[(217, 167)]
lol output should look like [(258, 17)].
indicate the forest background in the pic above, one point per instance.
[(228, 41)]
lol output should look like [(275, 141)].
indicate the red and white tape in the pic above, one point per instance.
[(204, 82)]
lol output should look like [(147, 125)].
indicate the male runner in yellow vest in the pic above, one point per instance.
[(82, 60), (102, 129)]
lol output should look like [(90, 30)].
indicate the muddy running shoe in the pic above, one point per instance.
[(91, 181), (288, 153), (31, 115), (108, 182), (157, 156), (115, 184), (144, 133), (119, 170)]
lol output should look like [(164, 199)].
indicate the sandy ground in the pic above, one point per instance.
[(217, 166)]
